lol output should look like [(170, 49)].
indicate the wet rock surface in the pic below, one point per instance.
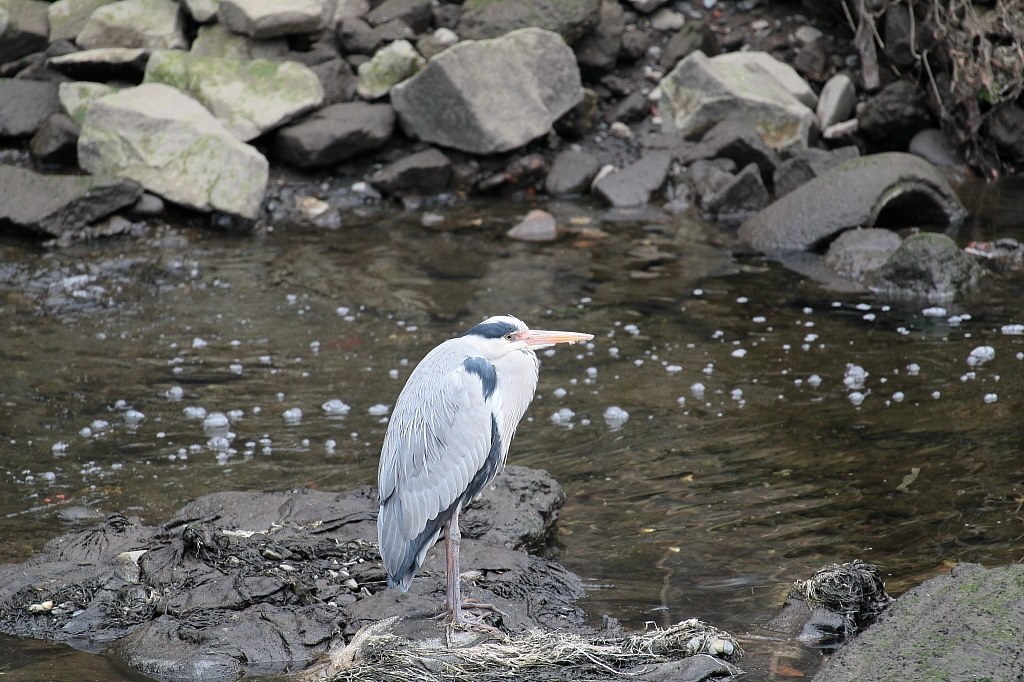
[(926, 267)]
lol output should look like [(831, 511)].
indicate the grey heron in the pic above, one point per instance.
[(447, 439)]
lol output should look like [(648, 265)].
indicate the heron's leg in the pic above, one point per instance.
[(451, 546)]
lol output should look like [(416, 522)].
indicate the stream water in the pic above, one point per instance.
[(745, 462)]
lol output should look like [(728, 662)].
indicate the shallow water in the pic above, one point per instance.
[(702, 504)]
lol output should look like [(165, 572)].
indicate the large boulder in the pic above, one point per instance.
[(572, 19), (24, 28), (274, 18), (854, 194), (69, 17), (153, 24), (491, 95), (170, 144), (926, 267), (335, 133), (751, 87), (248, 97), (50, 205), (24, 105)]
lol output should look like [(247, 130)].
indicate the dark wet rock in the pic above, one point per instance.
[(393, 30), (582, 118), (598, 51), (335, 133), (415, 13), (806, 165), (447, 16), (24, 29), (572, 19), (737, 141), (709, 176), (857, 251), (743, 195), (537, 226), (355, 36), (1004, 255), (104, 64), (490, 96), (34, 67), (837, 101), (425, 172), (701, 668), (937, 148), (812, 61), (24, 105), (967, 625), (634, 184), (522, 171), (337, 80), (861, 192), (926, 267), (324, 49), (635, 42), (571, 173), (905, 37), (50, 205), (1006, 128), (56, 141), (892, 116), (632, 108), (693, 36)]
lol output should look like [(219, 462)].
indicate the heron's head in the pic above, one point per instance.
[(500, 335)]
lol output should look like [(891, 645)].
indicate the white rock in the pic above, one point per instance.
[(837, 101), (274, 18), (152, 24), (388, 67)]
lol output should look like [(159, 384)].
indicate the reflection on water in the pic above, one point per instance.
[(744, 463)]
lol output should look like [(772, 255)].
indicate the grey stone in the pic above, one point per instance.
[(856, 251), (632, 108), (393, 30), (68, 17), (216, 40), (635, 42), (147, 205), (275, 18), (426, 172), (806, 165), (415, 13), (337, 79), (432, 44), (666, 19), (355, 36), (598, 51), (392, 64), (746, 86), (76, 98), (736, 141), (24, 28), (937, 148), (24, 105), (572, 19), (536, 226), (837, 101), (894, 114), (491, 95), (151, 24), (693, 37), (646, 6), (853, 194), (56, 141), (50, 205), (125, 64), (571, 173), (1006, 128), (633, 185), (744, 194), (173, 147), (927, 266), (335, 133), (581, 119), (202, 11), (248, 97)]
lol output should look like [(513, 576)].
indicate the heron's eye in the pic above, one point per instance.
[(510, 337)]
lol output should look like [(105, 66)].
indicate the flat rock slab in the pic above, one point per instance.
[(633, 185), (571, 173), (247, 582), (152, 24), (491, 95), (69, 17), (572, 19), (171, 145), (24, 105), (853, 194), (967, 625), (275, 18), (50, 205), (126, 64), (425, 172), (334, 134)]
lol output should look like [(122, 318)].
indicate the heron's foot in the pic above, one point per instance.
[(471, 604), (469, 617)]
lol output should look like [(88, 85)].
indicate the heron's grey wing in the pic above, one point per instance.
[(439, 438)]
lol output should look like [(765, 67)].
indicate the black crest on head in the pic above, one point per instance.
[(492, 330)]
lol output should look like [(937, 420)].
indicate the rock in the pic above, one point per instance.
[(856, 251), (356, 37), (647, 6), (692, 37), (433, 44), (216, 40), (50, 205), (853, 194), (893, 115), (24, 28), (152, 24), (571, 19), (275, 18), (738, 142), (172, 146), (56, 141), (415, 13), (743, 195), (491, 96), (76, 98), (926, 267), (347, 9), (579, 120), (67, 18), (812, 61), (125, 64), (571, 173), (323, 49), (202, 11), (34, 67), (666, 20), (806, 165), (837, 101), (427, 172), (334, 134), (633, 185), (935, 146), (248, 97), (701, 91), (635, 43), (598, 51), (537, 226), (1006, 128), (632, 108), (147, 205), (337, 80), (391, 65), (24, 105)]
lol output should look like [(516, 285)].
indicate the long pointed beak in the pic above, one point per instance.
[(539, 338)]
